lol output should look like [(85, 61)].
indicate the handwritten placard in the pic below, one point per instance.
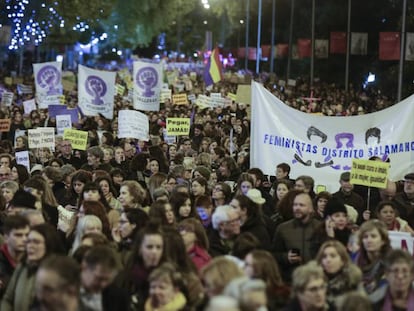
[(5, 125), (180, 99), (369, 173), (41, 137), (22, 157), (178, 126), (29, 106), (133, 124), (78, 139), (63, 122)]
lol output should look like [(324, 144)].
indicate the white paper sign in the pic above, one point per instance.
[(63, 122), (22, 157), (133, 124), (42, 137), (7, 98), (402, 240), (29, 106)]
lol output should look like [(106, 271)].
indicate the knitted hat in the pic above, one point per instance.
[(334, 206), (23, 199)]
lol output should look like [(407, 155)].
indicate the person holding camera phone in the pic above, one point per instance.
[(293, 238)]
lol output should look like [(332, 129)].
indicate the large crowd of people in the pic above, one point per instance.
[(149, 225)]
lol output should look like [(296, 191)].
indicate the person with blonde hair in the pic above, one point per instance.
[(309, 289), (218, 274), (374, 245), (166, 289), (343, 276)]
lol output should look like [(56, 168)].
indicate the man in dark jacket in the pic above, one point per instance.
[(405, 200), (98, 270), (293, 238), (16, 229)]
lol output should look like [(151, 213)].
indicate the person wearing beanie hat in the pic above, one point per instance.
[(21, 201), (336, 225)]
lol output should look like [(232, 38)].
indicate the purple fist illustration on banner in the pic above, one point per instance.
[(147, 79), (48, 78), (96, 87)]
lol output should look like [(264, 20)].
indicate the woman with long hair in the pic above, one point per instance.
[(343, 276), (374, 246), (195, 241), (260, 264), (148, 254), (45, 199)]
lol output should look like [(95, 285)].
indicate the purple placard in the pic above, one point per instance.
[(55, 110)]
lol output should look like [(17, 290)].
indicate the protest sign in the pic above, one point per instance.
[(7, 98), (165, 94), (120, 89), (48, 82), (232, 96), (401, 240), (147, 86), (168, 139), (244, 94), (323, 147), (203, 101), (22, 157), (63, 122), (5, 125), (178, 126), (369, 173), (8, 81), (78, 139), (133, 124), (24, 89), (42, 137), (180, 99), (96, 92), (55, 110), (29, 106)]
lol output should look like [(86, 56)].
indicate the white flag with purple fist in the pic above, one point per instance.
[(96, 91), (147, 86), (48, 82)]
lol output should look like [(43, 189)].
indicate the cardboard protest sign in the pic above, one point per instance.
[(42, 137), (63, 122), (5, 125), (178, 126), (133, 124), (180, 99), (22, 157), (165, 94), (78, 139), (401, 240), (244, 94), (7, 98), (29, 106), (369, 173)]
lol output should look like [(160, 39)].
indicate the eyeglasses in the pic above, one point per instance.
[(409, 181), (217, 189)]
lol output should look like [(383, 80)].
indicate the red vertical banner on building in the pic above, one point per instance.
[(389, 46), (252, 53), (338, 43), (304, 48), (241, 53), (266, 51), (282, 50)]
